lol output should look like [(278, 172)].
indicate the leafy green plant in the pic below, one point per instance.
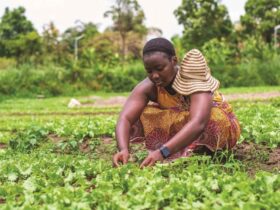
[(29, 140)]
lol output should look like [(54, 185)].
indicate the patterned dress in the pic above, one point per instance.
[(160, 122)]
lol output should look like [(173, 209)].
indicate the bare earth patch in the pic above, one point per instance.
[(120, 100), (3, 146), (100, 102), (258, 157), (55, 138)]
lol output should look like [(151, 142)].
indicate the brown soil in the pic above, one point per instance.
[(112, 101), (55, 138), (107, 140), (3, 146), (120, 100), (258, 157), (85, 146), (2, 200)]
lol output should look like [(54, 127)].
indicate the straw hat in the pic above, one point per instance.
[(194, 75)]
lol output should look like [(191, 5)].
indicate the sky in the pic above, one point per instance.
[(68, 13)]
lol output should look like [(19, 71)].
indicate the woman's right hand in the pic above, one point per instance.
[(120, 157)]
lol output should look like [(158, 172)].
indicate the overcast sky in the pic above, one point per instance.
[(64, 13)]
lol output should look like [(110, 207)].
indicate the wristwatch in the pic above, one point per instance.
[(165, 152)]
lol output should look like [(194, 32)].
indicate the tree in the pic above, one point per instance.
[(18, 38), (50, 38), (127, 16), (261, 17), (203, 20), (89, 30)]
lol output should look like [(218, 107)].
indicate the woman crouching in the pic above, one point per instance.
[(188, 113)]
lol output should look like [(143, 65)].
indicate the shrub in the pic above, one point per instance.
[(6, 63)]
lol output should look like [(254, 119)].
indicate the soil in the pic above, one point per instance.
[(2, 200), (3, 146), (258, 157), (120, 100), (85, 146), (55, 138), (99, 102)]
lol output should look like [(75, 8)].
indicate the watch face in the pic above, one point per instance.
[(165, 152)]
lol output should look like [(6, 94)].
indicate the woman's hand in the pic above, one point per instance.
[(151, 159), (122, 157)]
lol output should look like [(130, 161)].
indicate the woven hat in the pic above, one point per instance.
[(194, 75)]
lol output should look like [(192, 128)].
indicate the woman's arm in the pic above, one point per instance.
[(200, 111), (131, 112)]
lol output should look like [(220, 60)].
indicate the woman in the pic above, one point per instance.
[(189, 113)]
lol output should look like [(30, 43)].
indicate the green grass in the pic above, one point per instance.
[(259, 89), (59, 104), (54, 104)]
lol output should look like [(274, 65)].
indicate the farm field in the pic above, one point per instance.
[(54, 157)]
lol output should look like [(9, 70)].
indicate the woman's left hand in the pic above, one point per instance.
[(151, 159)]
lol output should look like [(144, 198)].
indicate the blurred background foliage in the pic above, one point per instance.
[(243, 53)]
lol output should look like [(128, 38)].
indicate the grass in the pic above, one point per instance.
[(59, 104), (258, 89)]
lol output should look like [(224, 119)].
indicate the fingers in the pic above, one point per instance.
[(116, 160), (119, 157), (151, 163), (147, 162), (125, 159)]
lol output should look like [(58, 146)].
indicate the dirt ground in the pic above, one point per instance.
[(3, 146), (258, 156), (120, 100)]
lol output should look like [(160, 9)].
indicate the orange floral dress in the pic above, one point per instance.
[(160, 122)]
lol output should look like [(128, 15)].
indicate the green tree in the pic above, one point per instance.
[(89, 30), (18, 38), (127, 16), (261, 17), (50, 38), (203, 20)]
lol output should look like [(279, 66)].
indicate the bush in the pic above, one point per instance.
[(55, 80), (6, 63), (254, 63)]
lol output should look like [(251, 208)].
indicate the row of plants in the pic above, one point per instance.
[(64, 163), (47, 180), (259, 122)]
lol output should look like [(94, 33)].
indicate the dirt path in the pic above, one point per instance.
[(120, 100)]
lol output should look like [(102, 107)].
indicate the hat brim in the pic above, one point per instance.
[(188, 86)]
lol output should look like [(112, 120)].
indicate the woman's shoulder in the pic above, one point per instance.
[(146, 87)]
